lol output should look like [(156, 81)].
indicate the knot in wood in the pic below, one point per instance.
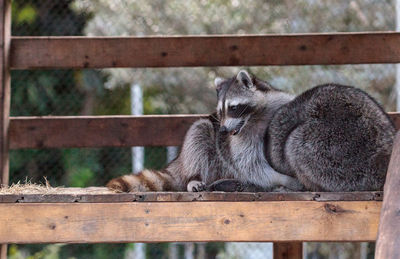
[(331, 208)]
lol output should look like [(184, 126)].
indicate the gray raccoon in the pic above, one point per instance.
[(245, 107), (228, 146), (331, 138)]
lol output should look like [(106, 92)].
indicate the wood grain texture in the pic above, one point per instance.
[(99, 131), (5, 40), (103, 195), (388, 242), (105, 131), (188, 222), (288, 250), (3, 251), (192, 51), (5, 43), (395, 116)]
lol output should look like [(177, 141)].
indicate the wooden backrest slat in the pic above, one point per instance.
[(193, 51), (105, 131)]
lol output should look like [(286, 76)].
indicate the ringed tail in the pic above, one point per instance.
[(145, 181)]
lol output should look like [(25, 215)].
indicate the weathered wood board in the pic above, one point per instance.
[(217, 50), (188, 221), (99, 131), (102, 195), (288, 250), (5, 96), (5, 92), (388, 242), (105, 131)]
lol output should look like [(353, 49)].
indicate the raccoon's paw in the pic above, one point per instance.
[(281, 189), (295, 185), (226, 185), (196, 186)]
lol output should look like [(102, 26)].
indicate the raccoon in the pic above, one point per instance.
[(245, 108), (228, 145), (331, 138)]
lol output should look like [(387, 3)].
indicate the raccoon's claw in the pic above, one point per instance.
[(196, 186)]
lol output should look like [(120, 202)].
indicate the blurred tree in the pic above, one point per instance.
[(52, 92)]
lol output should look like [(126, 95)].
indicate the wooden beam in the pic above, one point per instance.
[(288, 250), (104, 131), (188, 222), (5, 43), (388, 242), (3, 251), (395, 116), (5, 35), (99, 131), (192, 51), (103, 195)]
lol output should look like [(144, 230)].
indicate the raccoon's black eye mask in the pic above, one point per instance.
[(237, 111)]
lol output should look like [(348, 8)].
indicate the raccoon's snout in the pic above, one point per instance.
[(232, 127), (223, 130)]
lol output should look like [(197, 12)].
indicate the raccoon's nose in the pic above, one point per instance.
[(223, 129)]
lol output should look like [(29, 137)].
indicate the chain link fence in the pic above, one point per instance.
[(170, 90)]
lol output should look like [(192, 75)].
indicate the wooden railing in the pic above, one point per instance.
[(194, 51), (104, 131)]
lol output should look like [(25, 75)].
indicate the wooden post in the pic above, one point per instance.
[(289, 250), (5, 40), (388, 243)]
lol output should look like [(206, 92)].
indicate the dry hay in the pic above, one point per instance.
[(34, 188)]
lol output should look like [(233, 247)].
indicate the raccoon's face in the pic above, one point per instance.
[(238, 99)]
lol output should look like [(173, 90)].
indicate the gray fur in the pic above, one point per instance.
[(209, 154), (228, 145), (332, 138), (242, 155)]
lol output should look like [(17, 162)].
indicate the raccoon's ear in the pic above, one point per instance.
[(218, 84), (218, 81), (244, 77)]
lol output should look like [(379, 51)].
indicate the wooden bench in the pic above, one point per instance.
[(87, 217)]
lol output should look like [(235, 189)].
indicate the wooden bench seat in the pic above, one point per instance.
[(96, 215)]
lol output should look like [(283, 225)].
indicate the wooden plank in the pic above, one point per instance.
[(192, 51), (388, 243), (3, 251), (105, 131), (188, 222), (395, 116), (288, 250), (5, 43), (5, 36), (103, 195), (99, 131)]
